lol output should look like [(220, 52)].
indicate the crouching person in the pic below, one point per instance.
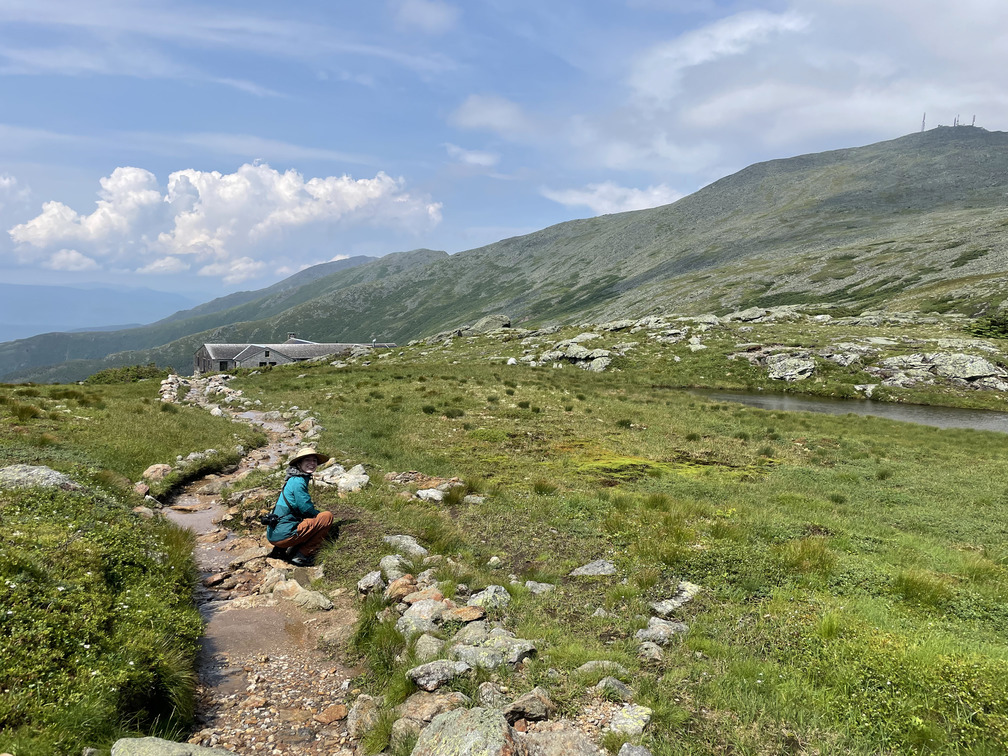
[(300, 528)]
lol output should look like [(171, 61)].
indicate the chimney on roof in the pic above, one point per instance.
[(291, 335)]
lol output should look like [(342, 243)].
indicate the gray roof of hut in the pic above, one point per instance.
[(295, 349)]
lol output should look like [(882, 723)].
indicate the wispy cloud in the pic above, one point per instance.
[(428, 16), (608, 197), (657, 73), (496, 114), (480, 158)]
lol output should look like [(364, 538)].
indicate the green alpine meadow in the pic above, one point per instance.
[(842, 575)]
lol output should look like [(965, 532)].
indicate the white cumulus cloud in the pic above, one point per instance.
[(608, 197), (226, 225), (71, 260)]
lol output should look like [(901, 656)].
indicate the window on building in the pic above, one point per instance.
[(267, 353), (223, 365)]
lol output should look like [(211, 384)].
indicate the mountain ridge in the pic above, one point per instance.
[(917, 221)]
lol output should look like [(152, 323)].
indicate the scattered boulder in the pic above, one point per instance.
[(492, 597), (789, 367), (630, 721), (610, 687), (156, 472), (537, 589), (406, 544), (661, 631), (599, 567), (602, 666), (534, 706), (393, 567), (433, 675), (468, 732), (363, 716), (422, 617), (428, 647), (371, 583)]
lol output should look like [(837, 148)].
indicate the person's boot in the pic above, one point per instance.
[(302, 560)]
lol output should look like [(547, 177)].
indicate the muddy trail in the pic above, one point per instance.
[(265, 684)]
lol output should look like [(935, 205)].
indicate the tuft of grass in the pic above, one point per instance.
[(25, 412), (923, 588), (544, 487)]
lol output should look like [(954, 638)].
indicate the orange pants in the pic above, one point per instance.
[(310, 534)]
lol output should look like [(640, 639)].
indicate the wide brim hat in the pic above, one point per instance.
[(307, 451)]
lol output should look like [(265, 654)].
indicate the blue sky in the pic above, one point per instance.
[(215, 146)]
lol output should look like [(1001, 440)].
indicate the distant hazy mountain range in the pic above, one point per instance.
[(27, 310), (919, 222)]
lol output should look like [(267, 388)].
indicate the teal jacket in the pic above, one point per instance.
[(293, 505)]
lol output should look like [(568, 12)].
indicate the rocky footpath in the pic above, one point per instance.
[(457, 637)]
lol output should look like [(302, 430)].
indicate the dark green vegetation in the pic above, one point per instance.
[(854, 569), (98, 631), (914, 223), (128, 374)]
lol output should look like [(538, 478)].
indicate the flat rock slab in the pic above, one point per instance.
[(159, 747), (561, 743), (31, 476), (599, 567), (685, 592), (406, 544)]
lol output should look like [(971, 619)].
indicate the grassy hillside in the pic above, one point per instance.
[(853, 569), (917, 222)]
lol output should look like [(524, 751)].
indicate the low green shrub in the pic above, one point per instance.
[(127, 374)]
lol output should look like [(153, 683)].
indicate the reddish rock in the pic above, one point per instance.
[(400, 589), (142, 488), (331, 714), (156, 472), (215, 579), (463, 614), (428, 594)]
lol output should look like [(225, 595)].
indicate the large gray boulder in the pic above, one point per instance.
[(965, 367), (30, 476), (470, 732), (487, 324), (433, 675), (159, 747), (789, 367)]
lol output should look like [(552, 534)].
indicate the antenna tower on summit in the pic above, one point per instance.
[(923, 121)]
